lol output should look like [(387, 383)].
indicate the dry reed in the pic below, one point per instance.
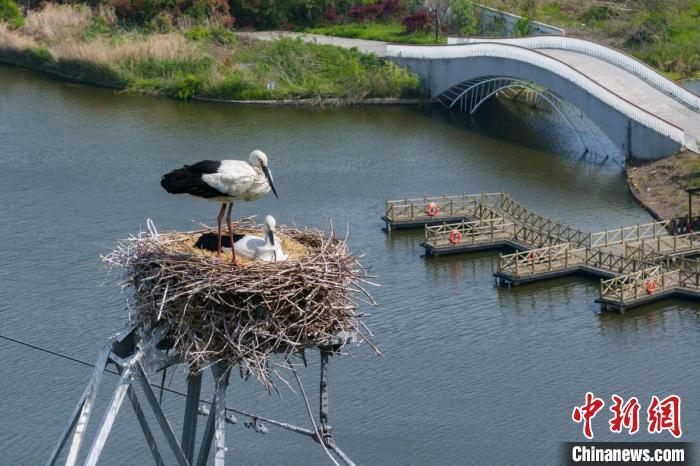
[(57, 22), (14, 41), (256, 315), (151, 47)]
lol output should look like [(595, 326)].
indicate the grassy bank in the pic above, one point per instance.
[(387, 32), (188, 60), (661, 185), (664, 34)]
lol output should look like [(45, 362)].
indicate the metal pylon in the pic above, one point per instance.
[(132, 353), (136, 352)]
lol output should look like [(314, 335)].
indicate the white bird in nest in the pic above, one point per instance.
[(223, 181), (267, 249)]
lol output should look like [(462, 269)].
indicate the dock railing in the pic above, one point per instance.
[(465, 205), (667, 244), (629, 234), (614, 263), (562, 256), (639, 284), (473, 232), (563, 233), (540, 260)]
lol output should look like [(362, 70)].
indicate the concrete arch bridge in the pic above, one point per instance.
[(643, 113)]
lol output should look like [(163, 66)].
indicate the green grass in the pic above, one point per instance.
[(306, 70), (211, 62), (387, 32), (678, 51)]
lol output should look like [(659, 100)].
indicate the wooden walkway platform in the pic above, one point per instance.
[(638, 264), (413, 213)]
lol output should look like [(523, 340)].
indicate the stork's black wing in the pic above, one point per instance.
[(188, 180)]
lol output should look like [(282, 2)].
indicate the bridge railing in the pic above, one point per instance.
[(603, 52), (540, 60), (465, 205)]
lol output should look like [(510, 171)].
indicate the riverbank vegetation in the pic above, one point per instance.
[(408, 22), (186, 54), (383, 20), (662, 33), (387, 32), (661, 184)]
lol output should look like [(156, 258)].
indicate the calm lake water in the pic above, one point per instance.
[(471, 374), (693, 85)]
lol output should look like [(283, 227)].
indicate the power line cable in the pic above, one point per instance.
[(283, 425)]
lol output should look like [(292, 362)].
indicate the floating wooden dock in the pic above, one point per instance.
[(412, 213), (637, 264)]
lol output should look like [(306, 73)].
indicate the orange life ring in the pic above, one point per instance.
[(455, 237), (432, 209), (650, 286)]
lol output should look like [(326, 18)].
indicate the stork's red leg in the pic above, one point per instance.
[(230, 232), (219, 219)]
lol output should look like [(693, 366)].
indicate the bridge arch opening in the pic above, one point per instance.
[(468, 96)]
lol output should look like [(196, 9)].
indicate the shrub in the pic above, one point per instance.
[(597, 13), (10, 14), (203, 9), (214, 34), (186, 88), (421, 21), (236, 86), (331, 15), (390, 8), (198, 33), (651, 29), (522, 27), (365, 12), (156, 14), (263, 14), (138, 12), (99, 26)]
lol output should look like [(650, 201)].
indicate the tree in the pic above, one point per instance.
[(462, 17)]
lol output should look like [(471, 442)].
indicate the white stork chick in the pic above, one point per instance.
[(223, 181), (268, 249)]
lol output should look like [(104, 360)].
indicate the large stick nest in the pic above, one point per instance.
[(256, 315)]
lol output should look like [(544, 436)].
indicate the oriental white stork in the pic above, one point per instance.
[(268, 249), (223, 181)]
